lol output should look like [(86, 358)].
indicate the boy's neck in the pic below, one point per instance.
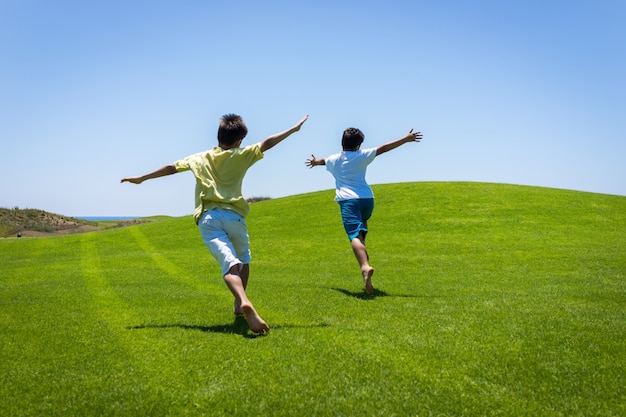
[(231, 146)]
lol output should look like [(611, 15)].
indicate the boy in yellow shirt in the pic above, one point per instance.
[(220, 206)]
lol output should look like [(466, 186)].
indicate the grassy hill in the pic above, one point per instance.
[(35, 222), (491, 300), (16, 220)]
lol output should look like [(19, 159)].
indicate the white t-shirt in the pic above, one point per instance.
[(349, 169)]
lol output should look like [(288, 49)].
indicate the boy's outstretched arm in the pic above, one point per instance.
[(275, 139), (160, 172), (409, 137), (313, 161)]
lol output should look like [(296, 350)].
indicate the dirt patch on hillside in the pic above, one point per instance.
[(38, 223)]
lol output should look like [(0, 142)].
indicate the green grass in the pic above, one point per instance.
[(492, 300)]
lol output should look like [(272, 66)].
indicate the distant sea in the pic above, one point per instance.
[(105, 218)]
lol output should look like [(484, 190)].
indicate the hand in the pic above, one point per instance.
[(134, 180), (313, 161), (413, 136), (300, 123)]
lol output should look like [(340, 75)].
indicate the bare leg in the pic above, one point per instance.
[(360, 252), (234, 282), (243, 274)]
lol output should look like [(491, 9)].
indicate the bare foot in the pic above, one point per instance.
[(237, 309), (367, 278), (255, 322)]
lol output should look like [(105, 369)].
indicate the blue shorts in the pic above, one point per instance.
[(354, 214)]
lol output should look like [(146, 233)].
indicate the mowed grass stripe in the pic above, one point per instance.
[(56, 351), (113, 310), (147, 322), (184, 260), (160, 259), (154, 289)]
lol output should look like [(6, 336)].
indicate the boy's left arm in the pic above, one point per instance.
[(409, 137), (275, 139)]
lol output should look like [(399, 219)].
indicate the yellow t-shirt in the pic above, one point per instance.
[(219, 174)]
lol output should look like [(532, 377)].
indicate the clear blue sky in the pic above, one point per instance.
[(530, 92)]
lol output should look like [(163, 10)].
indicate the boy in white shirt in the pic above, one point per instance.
[(354, 195), (220, 206)]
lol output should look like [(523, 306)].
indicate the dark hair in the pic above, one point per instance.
[(232, 128), (352, 138)]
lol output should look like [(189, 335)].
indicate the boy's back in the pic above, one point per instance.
[(349, 169), (219, 176)]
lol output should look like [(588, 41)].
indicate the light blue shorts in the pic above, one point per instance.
[(225, 234), (355, 213)]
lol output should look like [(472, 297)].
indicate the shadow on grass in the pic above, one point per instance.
[(362, 295), (238, 327)]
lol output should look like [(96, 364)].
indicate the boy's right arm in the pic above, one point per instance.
[(160, 172), (313, 161), (409, 137)]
